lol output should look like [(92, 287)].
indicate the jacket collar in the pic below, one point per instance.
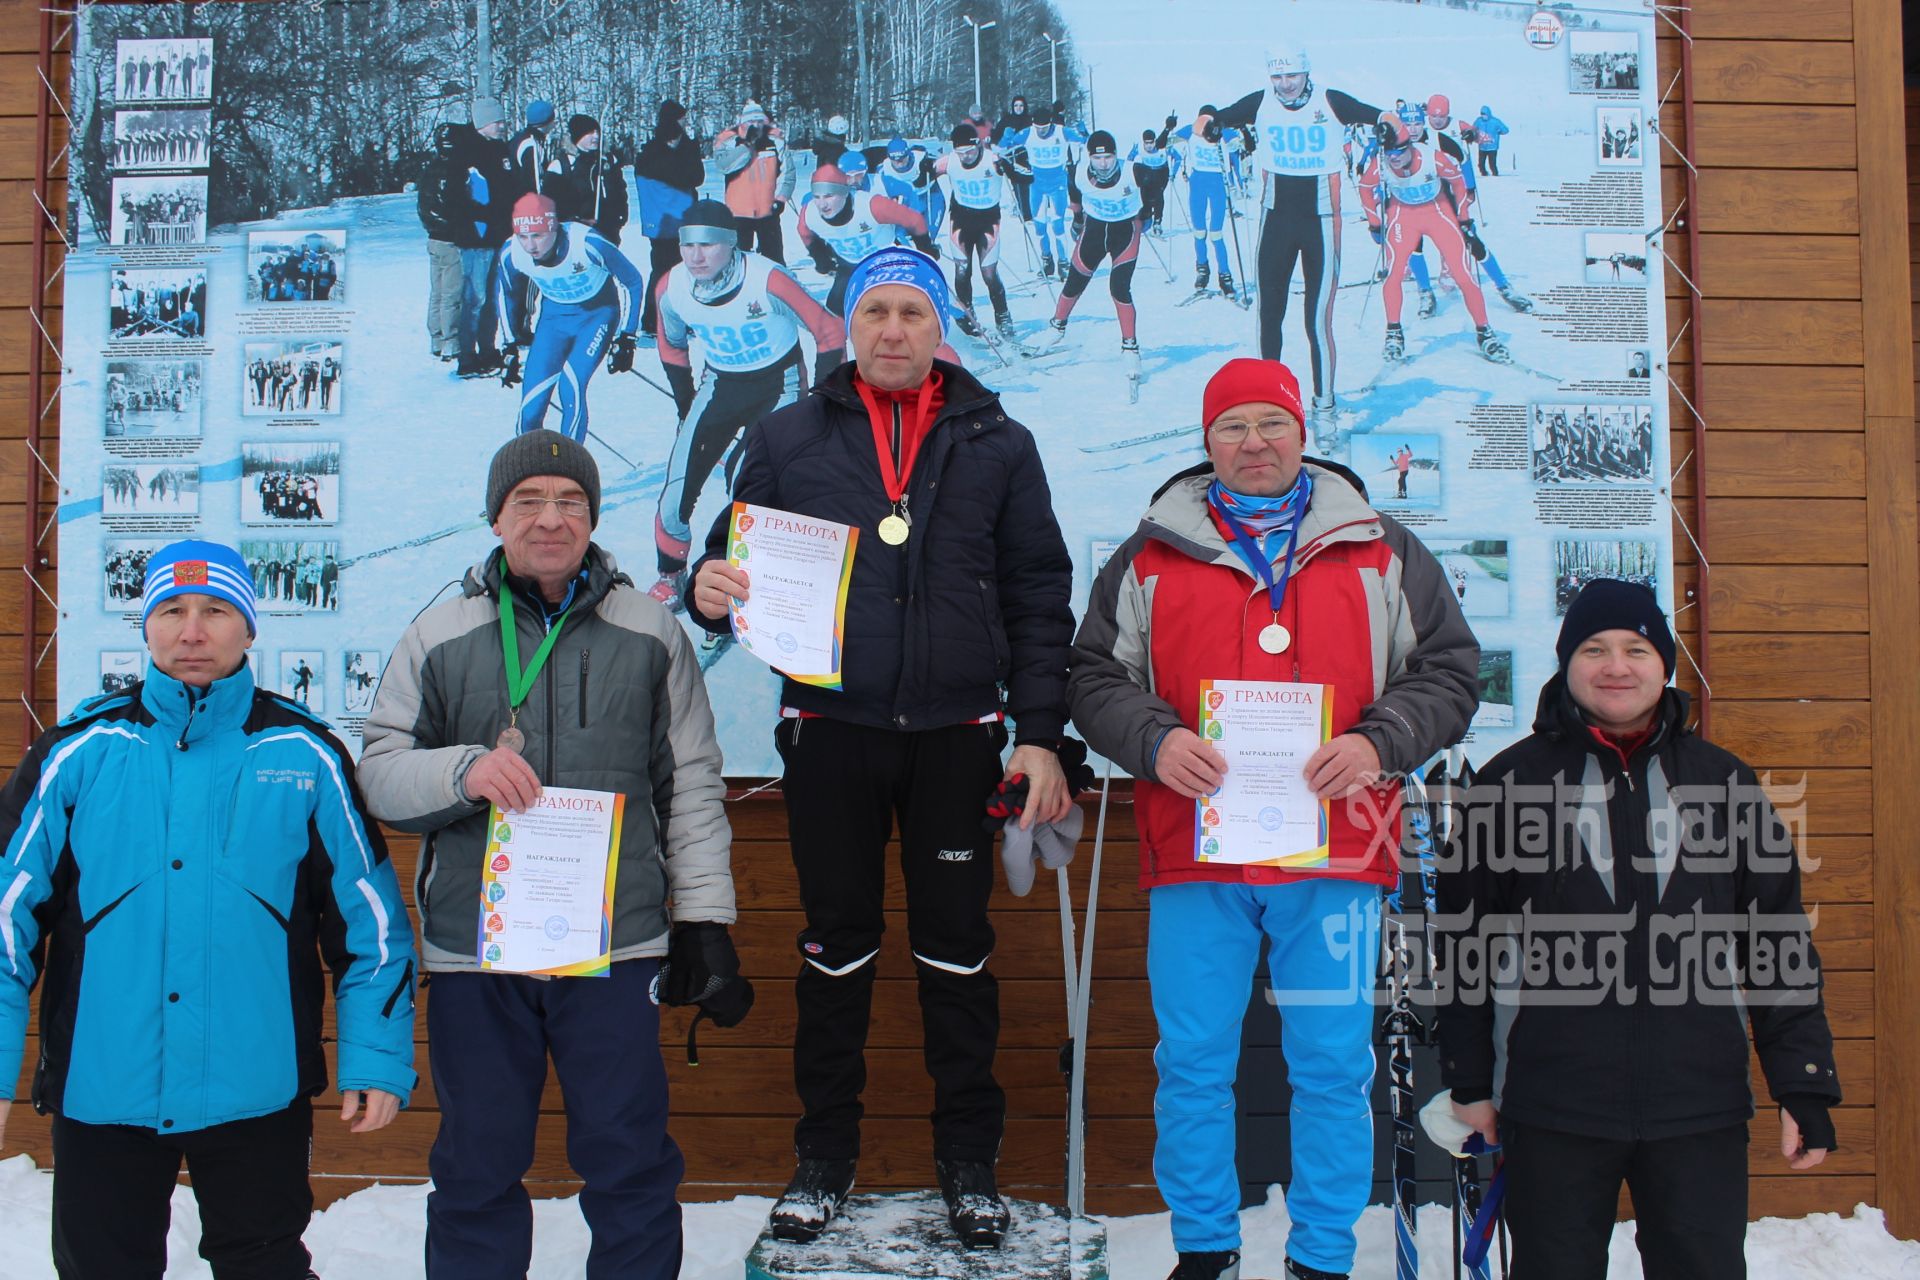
[(191, 715), (964, 393), (1338, 513)]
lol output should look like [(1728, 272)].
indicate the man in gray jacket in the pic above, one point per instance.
[(607, 698)]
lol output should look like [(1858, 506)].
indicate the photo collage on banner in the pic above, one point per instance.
[(258, 314)]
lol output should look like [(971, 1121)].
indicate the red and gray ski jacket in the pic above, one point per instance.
[(1369, 612)]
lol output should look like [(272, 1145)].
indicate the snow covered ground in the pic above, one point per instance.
[(377, 1234)]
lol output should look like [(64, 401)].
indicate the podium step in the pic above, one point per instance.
[(905, 1234)]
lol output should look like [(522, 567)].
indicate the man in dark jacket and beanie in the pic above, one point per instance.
[(442, 207), (587, 183), (957, 619), (610, 699), (666, 179), (1619, 903)]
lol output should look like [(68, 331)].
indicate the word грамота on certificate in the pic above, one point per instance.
[(546, 891), (1264, 812), (800, 568)]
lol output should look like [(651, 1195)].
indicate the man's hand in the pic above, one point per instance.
[(1047, 799), (1342, 766), (1187, 764), (502, 777), (716, 587), (1797, 1156), (1482, 1119), (382, 1107)]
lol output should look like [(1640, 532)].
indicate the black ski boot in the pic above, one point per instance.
[(1226, 286), (1490, 345), (1429, 303), (1004, 323), (974, 1207), (1396, 348), (1200, 278), (1301, 1271), (1046, 265), (1220, 1265), (818, 1189), (969, 324)]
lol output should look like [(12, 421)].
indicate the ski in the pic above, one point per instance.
[(1194, 297), (1135, 441)]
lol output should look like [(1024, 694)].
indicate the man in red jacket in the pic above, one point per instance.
[(1260, 566)]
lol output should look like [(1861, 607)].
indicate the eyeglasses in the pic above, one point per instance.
[(534, 508), (1269, 429)]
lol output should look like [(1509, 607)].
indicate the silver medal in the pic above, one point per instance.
[(1274, 638)]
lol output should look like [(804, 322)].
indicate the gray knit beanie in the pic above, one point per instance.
[(542, 453)]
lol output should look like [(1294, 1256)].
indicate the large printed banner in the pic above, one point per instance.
[(247, 306)]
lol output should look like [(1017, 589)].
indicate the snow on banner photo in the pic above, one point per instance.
[(247, 327)]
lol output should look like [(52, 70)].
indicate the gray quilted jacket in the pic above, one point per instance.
[(619, 706)]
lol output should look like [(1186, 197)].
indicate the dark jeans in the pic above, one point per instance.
[(113, 1193), (844, 785), (479, 310), (663, 255), (491, 1035), (763, 236), (1689, 1203)]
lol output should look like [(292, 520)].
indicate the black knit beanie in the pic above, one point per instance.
[(1609, 604)]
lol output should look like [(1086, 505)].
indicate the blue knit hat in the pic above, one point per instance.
[(198, 568), (539, 113), (898, 264)]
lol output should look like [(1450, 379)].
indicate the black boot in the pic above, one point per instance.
[(974, 1206), (818, 1189), (1226, 285), (1301, 1271), (1217, 1265), (1201, 275)]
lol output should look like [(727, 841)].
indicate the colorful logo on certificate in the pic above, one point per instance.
[(501, 862), (503, 834), (495, 892), (1214, 700), (1212, 818), (494, 953), (746, 522), (1271, 819), (1216, 730), (496, 923)]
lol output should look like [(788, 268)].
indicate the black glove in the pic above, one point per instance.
[(925, 245), (1475, 245), (1172, 119), (620, 357), (1811, 1113), (510, 373), (824, 260), (680, 382), (703, 969), (1378, 232), (779, 207)]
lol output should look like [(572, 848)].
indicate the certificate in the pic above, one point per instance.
[(1264, 812), (546, 892), (801, 567)]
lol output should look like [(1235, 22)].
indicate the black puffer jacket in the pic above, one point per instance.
[(1633, 910), (977, 598)]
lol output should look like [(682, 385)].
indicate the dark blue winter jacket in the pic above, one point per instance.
[(977, 598), (176, 864)]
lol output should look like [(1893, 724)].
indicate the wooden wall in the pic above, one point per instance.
[(1814, 598)]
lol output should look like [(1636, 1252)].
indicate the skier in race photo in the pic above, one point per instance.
[(909, 176), (1438, 118), (1110, 202), (1154, 168), (840, 226), (1209, 156), (590, 296), (974, 177), (747, 313), (1402, 193), (1298, 131), (1049, 147)]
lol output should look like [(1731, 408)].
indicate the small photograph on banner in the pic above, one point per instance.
[(301, 377), (121, 669), (297, 266), (302, 680), (1576, 563), (159, 212), (295, 482), (149, 489), (123, 570), (163, 303), (1603, 61), (1400, 471), (291, 576), (1592, 443), (360, 676), (146, 399), (1618, 136), (1496, 690), (162, 71), (1477, 569), (163, 138), (1616, 257)]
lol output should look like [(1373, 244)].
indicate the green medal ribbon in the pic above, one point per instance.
[(520, 683)]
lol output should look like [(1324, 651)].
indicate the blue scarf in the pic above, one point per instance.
[(1267, 519)]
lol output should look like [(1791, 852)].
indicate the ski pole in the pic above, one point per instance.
[(1077, 1025), (631, 464), (1032, 253), (656, 386), (1164, 264), (1234, 228)]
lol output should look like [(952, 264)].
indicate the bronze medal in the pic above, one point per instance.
[(511, 739)]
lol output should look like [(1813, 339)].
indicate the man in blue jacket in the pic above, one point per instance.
[(179, 858)]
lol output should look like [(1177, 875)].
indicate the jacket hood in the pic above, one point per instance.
[(1558, 716)]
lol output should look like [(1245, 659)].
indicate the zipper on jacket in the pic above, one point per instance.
[(194, 700), (583, 687)]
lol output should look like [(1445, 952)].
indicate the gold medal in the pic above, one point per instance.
[(511, 739), (1274, 638), (893, 530)]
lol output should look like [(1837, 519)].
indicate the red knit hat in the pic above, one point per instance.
[(534, 213), (1246, 381)]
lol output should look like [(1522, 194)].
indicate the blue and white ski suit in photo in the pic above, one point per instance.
[(586, 288), (1207, 165), (1050, 158)]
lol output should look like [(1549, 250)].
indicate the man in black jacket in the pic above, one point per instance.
[(957, 618), (487, 187), (442, 199), (1619, 902), (589, 183), (667, 177)]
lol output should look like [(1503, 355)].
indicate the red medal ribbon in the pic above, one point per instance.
[(893, 479)]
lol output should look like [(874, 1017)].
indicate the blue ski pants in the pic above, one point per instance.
[(1050, 211), (568, 342), (1207, 206), (1203, 943), (491, 1036)]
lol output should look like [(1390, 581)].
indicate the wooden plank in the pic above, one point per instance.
[(1758, 200), (1806, 464), (1758, 266), (1788, 735), (1748, 136), (1771, 20), (1753, 531), (1789, 666), (1767, 597), (1781, 332), (1770, 397), (1772, 71)]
